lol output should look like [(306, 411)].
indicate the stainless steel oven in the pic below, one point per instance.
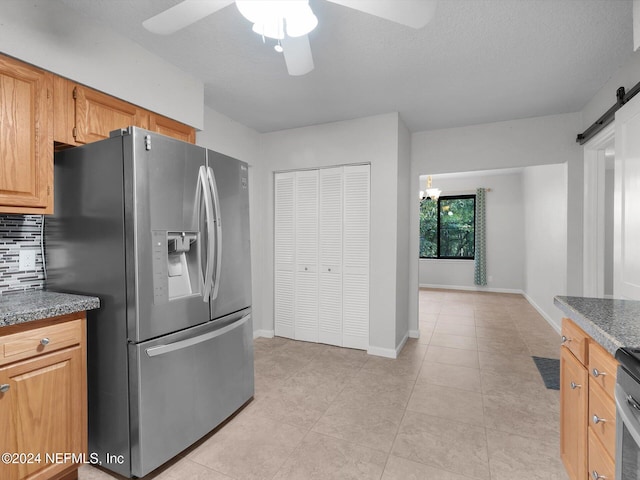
[(628, 415)]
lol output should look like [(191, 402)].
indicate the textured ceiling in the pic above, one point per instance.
[(477, 61)]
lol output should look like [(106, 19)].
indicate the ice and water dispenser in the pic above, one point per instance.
[(176, 265)]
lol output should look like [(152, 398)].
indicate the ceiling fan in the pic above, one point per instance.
[(288, 21)]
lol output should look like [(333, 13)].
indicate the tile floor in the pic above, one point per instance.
[(464, 401)]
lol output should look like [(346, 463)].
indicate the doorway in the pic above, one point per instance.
[(599, 181)]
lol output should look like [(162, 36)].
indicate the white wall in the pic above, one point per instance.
[(406, 290), (517, 143), (545, 209), (371, 140), (58, 39), (504, 234)]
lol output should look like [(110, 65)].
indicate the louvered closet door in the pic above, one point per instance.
[(284, 254), (355, 277), (330, 292), (306, 249)]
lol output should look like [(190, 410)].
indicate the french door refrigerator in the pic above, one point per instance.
[(159, 230)]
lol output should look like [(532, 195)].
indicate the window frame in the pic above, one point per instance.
[(452, 197)]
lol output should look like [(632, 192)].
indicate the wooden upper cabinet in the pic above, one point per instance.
[(171, 128), (97, 114), (84, 115), (26, 138)]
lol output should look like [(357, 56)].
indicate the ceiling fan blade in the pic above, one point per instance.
[(413, 13), (297, 55), (183, 14)]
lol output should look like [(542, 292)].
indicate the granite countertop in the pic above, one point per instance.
[(31, 305), (611, 323)]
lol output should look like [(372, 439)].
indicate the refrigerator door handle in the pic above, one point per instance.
[(188, 342), (216, 205), (208, 207)]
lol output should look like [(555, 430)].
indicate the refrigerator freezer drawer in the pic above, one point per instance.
[(187, 384)]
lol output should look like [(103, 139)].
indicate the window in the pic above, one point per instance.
[(447, 227)]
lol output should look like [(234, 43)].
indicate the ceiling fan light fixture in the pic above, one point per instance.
[(269, 17)]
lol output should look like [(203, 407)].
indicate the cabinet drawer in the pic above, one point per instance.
[(602, 368), (601, 465), (575, 340), (602, 417), (39, 341)]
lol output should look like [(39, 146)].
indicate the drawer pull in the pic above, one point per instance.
[(596, 419), (574, 385), (565, 339), (45, 341), (596, 476), (597, 373), (4, 388)]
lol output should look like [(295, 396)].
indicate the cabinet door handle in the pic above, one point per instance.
[(45, 341), (4, 388), (565, 339), (596, 419), (574, 385), (597, 373), (596, 476)]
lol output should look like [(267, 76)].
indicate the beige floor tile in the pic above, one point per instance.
[(402, 469), (452, 319), (514, 345), (301, 400), (515, 456), (326, 458), (513, 382), (363, 418), (453, 341), (446, 402), (455, 329), (496, 332), (442, 443), (87, 472), (452, 356), (527, 415), (426, 328), (249, 448), (187, 469), (457, 309), (375, 381), (544, 349), (501, 362), (463, 378)]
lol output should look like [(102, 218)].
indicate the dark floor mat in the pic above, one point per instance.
[(549, 369)]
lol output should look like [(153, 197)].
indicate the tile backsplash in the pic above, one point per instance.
[(19, 232)]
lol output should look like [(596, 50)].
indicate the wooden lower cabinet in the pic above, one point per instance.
[(587, 406), (574, 396), (43, 404)]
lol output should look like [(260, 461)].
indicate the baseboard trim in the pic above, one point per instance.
[(543, 314), (263, 334), (389, 352), (414, 333), (474, 288)]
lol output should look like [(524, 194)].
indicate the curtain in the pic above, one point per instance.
[(480, 271)]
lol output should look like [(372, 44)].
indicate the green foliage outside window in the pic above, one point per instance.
[(447, 227)]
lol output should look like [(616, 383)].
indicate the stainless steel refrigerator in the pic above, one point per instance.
[(159, 230)]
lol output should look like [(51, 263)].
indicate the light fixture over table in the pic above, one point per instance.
[(432, 193)]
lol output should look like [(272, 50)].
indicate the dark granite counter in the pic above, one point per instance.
[(37, 304), (611, 323)]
